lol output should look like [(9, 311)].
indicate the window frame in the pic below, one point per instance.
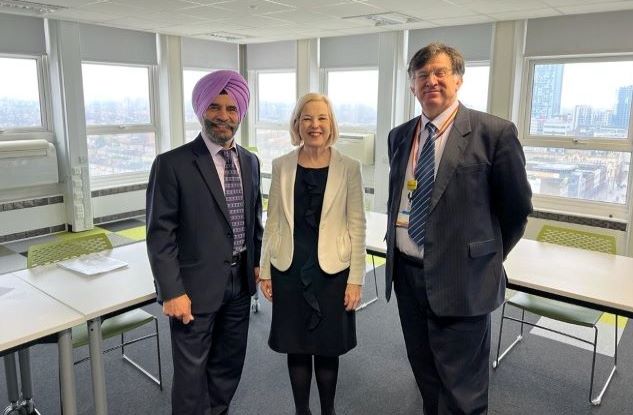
[(254, 123), (324, 90), (45, 131), (413, 101), (153, 126), (567, 205), (189, 125)]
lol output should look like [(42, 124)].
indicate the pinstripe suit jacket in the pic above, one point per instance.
[(479, 207)]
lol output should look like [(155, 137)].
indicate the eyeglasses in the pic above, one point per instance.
[(439, 73)]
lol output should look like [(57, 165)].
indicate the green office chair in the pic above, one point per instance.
[(560, 311), (118, 325)]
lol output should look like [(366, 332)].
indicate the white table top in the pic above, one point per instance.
[(28, 314), (597, 278), (376, 230), (577, 274), (100, 294)]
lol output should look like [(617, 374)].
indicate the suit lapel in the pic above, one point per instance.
[(401, 159), (247, 184), (335, 179), (453, 153), (207, 169), (287, 175)]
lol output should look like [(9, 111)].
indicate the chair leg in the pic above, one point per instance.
[(153, 378), (160, 369), (497, 361), (598, 399)]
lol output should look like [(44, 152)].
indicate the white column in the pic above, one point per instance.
[(307, 66), (392, 94), (506, 67), (170, 122), (69, 121), (246, 136)]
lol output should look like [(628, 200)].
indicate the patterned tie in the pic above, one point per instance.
[(234, 201), (421, 198)]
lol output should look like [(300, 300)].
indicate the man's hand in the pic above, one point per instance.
[(267, 289), (352, 296), (179, 307), (256, 275)]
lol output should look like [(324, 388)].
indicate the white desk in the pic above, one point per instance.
[(29, 314), (591, 279), (96, 296)]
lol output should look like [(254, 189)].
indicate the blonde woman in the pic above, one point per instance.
[(313, 254)]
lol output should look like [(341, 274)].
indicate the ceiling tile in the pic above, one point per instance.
[(209, 12), (457, 21), (526, 14), (349, 9), (255, 7), (498, 6), (438, 11), (597, 8)]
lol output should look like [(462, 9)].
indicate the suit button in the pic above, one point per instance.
[(227, 263), (229, 235)]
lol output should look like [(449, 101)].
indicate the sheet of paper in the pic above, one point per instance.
[(92, 264)]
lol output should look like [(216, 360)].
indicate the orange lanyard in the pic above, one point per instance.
[(440, 132)]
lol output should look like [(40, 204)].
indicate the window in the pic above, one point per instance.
[(119, 119), (576, 127), (189, 79), (354, 95), (276, 98), (21, 98), (474, 90)]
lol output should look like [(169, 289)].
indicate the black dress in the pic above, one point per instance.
[(309, 316)]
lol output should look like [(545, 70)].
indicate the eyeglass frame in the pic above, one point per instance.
[(439, 73)]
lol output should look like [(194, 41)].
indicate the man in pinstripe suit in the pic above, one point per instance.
[(449, 231)]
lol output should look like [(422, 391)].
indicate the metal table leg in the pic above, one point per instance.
[(96, 365), (13, 392), (24, 357), (66, 373)]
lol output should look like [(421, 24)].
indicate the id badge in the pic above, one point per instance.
[(403, 219)]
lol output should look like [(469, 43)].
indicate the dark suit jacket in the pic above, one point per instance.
[(479, 207), (189, 236)]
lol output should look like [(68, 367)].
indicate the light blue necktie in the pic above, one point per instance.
[(421, 198)]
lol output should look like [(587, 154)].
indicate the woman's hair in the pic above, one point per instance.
[(295, 137)]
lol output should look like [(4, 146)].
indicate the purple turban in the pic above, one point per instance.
[(210, 86)]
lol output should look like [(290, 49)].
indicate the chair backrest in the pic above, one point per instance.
[(51, 252), (577, 239)]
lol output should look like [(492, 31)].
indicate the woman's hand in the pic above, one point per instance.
[(267, 289), (352, 296)]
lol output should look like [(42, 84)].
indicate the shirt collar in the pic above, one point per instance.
[(440, 119), (214, 148)]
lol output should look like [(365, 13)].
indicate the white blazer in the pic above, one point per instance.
[(342, 228)]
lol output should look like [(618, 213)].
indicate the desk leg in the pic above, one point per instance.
[(67, 373), (96, 365)]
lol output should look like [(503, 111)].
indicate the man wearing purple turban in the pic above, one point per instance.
[(204, 234)]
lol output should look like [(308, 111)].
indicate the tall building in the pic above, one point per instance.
[(623, 107), (582, 117), (546, 93)]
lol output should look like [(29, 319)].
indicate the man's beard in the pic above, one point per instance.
[(219, 138)]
